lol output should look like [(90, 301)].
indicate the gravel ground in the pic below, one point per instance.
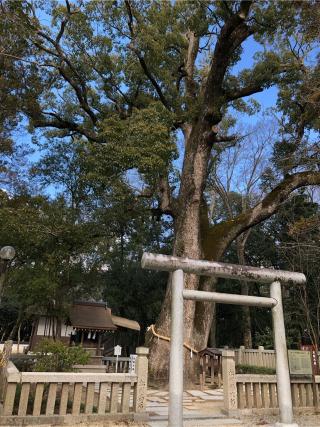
[(309, 420)]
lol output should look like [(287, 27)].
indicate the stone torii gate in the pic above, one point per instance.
[(179, 266)]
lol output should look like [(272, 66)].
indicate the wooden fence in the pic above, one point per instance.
[(258, 393), (120, 364), (260, 357), (39, 397)]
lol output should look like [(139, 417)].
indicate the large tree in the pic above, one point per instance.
[(134, 76)]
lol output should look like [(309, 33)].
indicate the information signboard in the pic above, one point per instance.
[(300, 362), (117, 350), (117, 353)]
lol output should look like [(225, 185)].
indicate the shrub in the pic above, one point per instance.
[(54, 356), (23, 362), (249, 369)]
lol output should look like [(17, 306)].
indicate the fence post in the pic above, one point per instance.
[(229, 382), (140, 395), (240, 354), (7, 350), (6, 353), (260, 355)]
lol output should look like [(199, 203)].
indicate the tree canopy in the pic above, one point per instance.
[(136, 106)]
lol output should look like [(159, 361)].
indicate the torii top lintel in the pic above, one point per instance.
[(220, 269)]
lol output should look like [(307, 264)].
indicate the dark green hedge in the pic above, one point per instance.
[(249, 369)]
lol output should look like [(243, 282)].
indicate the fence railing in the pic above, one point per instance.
[(259, 357), (54, 394), (120, 364), (259, 392)]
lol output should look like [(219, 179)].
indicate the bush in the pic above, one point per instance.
[(249, 369), (23, 362), (54, 356)]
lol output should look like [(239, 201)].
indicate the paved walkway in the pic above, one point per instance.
[(200, 408)]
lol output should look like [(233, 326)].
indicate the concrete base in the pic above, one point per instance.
[(64, 420), (231, 412), (286, 425), (141, 417)]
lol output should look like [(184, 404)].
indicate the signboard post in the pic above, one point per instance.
[(314, 357), (314, 360), (117, 353)]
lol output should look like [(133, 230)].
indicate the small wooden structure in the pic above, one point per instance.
[(210, 366), (90, 320), (90, 324)]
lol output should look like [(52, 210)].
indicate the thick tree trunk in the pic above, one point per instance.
[(187, 243), (190, 225), (213, 330)]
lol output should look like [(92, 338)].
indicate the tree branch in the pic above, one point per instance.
[(219, 237), (141, 59), (243, 92), (79, 85), (193, 48), (61, 123), (64, 23), (165, 196), (233, 33)]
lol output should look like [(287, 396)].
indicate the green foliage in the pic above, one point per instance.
[(264, 337), (115, 67), (54, 356), (249, 369), (104, 88), (132, 145), (23, 362)]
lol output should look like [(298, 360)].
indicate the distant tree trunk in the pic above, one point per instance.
[(19, 337), (58, 328), (16, 326)]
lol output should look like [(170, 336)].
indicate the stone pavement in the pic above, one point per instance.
[(200, 408)]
